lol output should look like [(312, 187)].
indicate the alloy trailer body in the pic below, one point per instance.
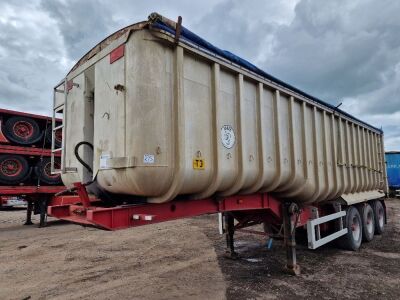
[(159, 124)]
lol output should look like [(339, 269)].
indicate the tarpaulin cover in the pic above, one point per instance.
[(393, 169), (202, 43)]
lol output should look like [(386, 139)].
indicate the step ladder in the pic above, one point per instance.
[(58, 108)]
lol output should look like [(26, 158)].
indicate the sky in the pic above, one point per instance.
[(340, 51)]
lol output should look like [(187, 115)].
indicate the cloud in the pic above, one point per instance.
[(246, 30), (30, 57), (383, 100), (341, 51), (80, 23)]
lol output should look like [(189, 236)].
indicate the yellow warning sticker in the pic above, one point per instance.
[(199, 163)]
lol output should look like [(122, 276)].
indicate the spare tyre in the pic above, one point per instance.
[(57, 137), (22, 130), (43, 171), (14, 169)]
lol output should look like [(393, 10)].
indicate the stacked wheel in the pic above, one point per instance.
[(43, 171), (14, 169), (22, 130), (362, 223)]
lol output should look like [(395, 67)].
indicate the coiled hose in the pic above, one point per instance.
[(78, 156)]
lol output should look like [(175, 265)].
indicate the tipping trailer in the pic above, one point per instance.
[(25, 165), (159, 124)]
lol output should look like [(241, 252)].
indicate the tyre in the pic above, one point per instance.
[(57, 137), (379, 214), (14, 169), (43, 171), (22, 130), (353, 238), (368, 221)]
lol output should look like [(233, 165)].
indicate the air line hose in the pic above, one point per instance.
[(78, 156)]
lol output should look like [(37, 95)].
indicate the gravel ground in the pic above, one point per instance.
[(184, 259)]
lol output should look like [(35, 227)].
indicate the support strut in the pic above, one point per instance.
[(290, 210), (43, 211), (29, 210), (230, 231)]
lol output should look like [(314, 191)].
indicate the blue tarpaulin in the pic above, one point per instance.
[(202, 43), (393, 169)]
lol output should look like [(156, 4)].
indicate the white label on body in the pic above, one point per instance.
[(104, 161), (148, 159), (227, 136)]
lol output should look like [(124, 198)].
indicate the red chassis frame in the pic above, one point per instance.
[(30, 190), (21, 150), (248, 209), (23, 114)]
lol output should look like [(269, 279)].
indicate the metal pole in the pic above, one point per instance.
[(230, 231), (288, 210), (43, 211), (29, 209)]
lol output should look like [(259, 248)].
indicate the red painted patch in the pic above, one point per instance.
[(70, 84), (117, 53), (3, 139)]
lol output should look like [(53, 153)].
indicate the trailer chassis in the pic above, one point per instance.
[(247, 210), (323, 223)]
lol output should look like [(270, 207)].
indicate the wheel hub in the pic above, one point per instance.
[(355, 228), (10, 167), (23, 129), (381, 217), (369, 222)]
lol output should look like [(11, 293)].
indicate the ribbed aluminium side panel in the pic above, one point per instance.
[(198, 127)]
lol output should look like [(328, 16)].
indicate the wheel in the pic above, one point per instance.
[(43, 171), (14, 169), (22, 130), (368, 221), (379, 214), (353, 238), (57, 137)]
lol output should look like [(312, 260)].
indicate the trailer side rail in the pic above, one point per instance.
[(313, 232)]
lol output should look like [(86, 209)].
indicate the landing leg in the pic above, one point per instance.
[(230, 231), (29, 210), (289, 210), (43, 211)]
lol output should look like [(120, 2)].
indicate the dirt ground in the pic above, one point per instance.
[(184, 259)]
